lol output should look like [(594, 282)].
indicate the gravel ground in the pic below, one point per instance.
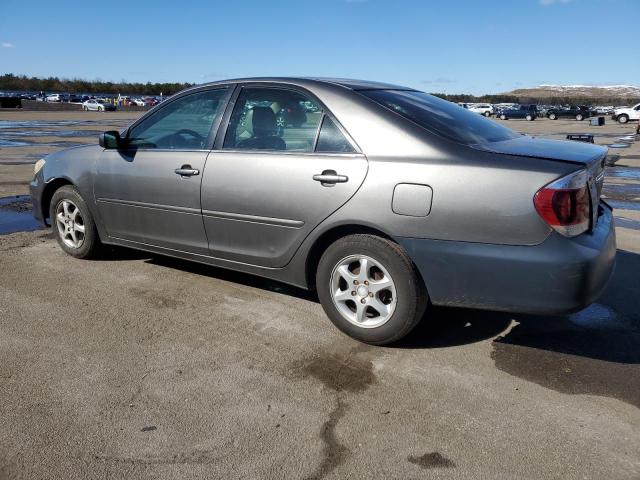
[(140, 366)]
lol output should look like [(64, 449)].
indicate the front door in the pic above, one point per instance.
[(285, 166), (149, 192)]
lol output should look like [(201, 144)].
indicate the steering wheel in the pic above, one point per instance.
[(178, 136)]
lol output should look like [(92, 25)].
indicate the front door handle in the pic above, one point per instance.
[(186, 171), (329, 178)]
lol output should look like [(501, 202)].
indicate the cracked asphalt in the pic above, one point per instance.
[(138, 366)]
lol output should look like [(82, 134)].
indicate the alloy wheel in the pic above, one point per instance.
[(363, 291), (70, 224)]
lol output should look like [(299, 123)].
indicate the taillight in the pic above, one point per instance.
[(564, 204)]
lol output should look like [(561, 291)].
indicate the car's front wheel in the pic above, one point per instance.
[(370, 289), (579, 117), (529, 118), (623, 118), (487, 114), (503, 117), (72, 223)]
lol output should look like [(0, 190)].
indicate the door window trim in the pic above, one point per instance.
[(226, 118), (215, 126)]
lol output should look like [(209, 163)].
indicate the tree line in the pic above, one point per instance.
[(10, 81)]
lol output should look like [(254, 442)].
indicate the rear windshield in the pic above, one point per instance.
[(442, 117)]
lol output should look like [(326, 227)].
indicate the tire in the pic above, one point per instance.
[(101, 109), (579, 117), (404, 301), (623, 118), (503, 117), (553, 116), (487, 114), (529, 118), (67, 199)]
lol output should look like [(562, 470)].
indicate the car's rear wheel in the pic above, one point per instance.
[(579, 117), (370, 289), (101, 109), (623, 118), (529, 117), (72, 223), (552, 116), (487, 114), (503, 117)]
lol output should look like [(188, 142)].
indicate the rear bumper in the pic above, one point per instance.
[(558, 276)]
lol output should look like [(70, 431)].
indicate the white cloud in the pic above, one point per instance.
[(7, 45), (551, 2)]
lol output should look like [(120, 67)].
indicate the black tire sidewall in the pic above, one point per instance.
[(91, 241), (411, 295)]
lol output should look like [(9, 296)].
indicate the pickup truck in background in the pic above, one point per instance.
[(624, 114)]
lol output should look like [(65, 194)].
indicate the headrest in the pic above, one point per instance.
[(263, 122)]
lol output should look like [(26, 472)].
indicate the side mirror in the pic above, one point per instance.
[(110, 140)]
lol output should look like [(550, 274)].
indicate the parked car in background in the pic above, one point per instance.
[(482, 108), (97, 106), (579, 112), (624, 114), (604, 110), (54, 97), (138, 102), (355, 202), (527, 112)]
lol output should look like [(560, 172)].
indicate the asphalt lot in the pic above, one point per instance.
[(139, 366)]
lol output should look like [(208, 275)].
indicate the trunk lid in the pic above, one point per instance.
[(592, 157)]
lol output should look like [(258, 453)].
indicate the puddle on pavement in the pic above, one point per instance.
[(628, 192), (16, 216), (4, 124), (623, 205), (627, 223), (9, 143), (51, 133), (623, 172)]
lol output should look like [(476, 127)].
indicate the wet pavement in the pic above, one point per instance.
[(16, 215), (141, 366)]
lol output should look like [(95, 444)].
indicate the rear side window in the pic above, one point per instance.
[(266, 118), (441, 117), (331, 139)]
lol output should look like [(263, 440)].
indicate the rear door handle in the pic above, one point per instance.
[(328, 178), (186, 171)]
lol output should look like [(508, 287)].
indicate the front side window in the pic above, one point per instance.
[(273, 119), (182, 124), (441, 117)]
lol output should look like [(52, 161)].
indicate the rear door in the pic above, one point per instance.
[(284, 165), (149, 192)]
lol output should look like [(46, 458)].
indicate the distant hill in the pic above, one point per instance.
[(579, 91)]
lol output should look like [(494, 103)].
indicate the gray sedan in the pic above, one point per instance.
[(384, 199)]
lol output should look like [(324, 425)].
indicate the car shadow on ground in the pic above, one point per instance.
[(249, 280), (595, 351)]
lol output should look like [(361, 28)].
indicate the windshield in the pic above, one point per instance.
[(441, 117)]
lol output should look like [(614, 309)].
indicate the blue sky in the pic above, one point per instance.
[(475, 46)]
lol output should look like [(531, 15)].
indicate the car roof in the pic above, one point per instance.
[(351, 84)]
